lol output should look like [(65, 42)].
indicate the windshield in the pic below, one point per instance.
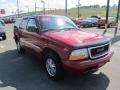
[(49, 23), (92, 19), (1, 24)]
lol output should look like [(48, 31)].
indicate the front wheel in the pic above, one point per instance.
[(110, 25), (53, 66)]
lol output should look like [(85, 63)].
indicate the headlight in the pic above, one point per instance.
[(79, 54)]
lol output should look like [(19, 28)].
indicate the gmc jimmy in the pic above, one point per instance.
[(61, 45)]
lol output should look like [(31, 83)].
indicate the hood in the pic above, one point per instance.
[(73, 37)]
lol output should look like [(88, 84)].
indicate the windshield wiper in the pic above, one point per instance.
[(70, 28), (59, 29), (48, 30)]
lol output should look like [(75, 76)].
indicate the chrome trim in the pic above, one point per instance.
[(89, 51)]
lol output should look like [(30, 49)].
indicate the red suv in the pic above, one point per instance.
[(61, 45)]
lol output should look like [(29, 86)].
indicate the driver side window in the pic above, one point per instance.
[(32, 27)]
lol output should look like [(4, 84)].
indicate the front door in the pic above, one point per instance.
[(33, 36)]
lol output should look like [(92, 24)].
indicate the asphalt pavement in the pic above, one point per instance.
[(24, 72)]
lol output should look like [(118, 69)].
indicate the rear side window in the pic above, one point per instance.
[(23, 24), (17, 23)]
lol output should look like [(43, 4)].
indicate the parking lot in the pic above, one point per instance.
[(24, 72)]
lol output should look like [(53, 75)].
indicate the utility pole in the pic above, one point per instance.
[(35, 8), (117, 18), (65, 7), (78, 8), (42, 1), (107, 15), (27, 9), (18, 9)]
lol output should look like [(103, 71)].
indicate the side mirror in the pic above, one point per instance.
[(33, 29)]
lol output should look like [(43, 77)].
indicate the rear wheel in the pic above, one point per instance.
[(98, 26), (110, 25), (4, 37), (92, 25), (19, 48), (53, 66)]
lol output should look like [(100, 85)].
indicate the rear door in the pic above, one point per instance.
[(17, 31), (23, 33)]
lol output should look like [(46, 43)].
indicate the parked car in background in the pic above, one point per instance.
[(2, 30), (111, 22), (62, 46), (98, 17), (77, 21), (86, 23), (9, 20), (94, 21)]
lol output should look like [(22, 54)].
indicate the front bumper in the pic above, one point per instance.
[(86, 65)]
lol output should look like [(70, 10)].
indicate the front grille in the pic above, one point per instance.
[(98, 51)]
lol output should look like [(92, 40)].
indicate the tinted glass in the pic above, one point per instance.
[(17, 23), (32, 23), (92, 19), (48, 23), (32, 27), (23, 25), (2, 24)]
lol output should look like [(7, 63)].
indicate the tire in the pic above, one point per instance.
[(4, 37), (19, 48), (98, 26), (53, 66), (92, 71), (110, 25), (92, 25)]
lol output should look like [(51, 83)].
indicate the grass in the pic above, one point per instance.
[(84, 12)]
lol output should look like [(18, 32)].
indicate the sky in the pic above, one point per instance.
[(10, 5)]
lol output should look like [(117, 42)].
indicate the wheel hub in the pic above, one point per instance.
[(50, 66)]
